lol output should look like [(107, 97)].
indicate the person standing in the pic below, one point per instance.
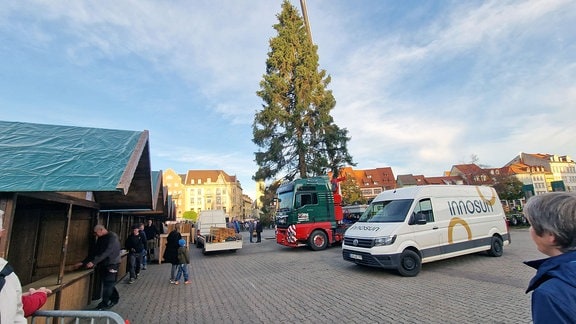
[(134, 246), (251, 229), (552, 218), (258, 228), (152, 235), (143, 257), (171, 251), (106, 258), (183, 261)]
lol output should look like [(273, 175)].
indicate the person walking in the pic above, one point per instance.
[(251, 230), (134, 246), (183, 261), (258, 228), (171, 251), (106, 258), (152, 235), (552, 218)]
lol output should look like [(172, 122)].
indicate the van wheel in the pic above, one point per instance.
[(496, 247), (318, 240), (410, 264)]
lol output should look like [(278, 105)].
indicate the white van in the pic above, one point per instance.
[(403, 228)]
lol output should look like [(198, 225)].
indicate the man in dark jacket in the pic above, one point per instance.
[(152, 235), (258, 228), (135, 246), (552, 217), (106, 257)]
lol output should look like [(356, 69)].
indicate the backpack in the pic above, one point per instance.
[(5, 272)]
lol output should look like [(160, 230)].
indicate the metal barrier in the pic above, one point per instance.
[(80, 316)]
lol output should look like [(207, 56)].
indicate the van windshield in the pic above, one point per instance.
[(390, 211)]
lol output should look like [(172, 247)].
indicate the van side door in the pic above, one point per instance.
[(425, 228)]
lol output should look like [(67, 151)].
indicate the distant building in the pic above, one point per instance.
[(371, 181), (199, 190), (409, 180), (555, 172)]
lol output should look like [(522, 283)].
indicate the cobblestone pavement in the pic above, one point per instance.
[(269, 283)]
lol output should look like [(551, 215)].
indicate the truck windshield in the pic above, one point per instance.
[(285, 200), (387, 211)]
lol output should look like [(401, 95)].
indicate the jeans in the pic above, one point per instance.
[(173, 272), (134, 264), (144, 258), (182, 269)]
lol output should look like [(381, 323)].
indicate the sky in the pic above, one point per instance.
[(420, 85)]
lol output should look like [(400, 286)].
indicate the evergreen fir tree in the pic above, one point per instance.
[(296, 134)]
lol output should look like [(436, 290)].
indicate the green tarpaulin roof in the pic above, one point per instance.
[(49, 158)]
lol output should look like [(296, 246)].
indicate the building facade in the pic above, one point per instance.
[(547, 172), (199, 190)]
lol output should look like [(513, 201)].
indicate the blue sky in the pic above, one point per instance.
[(420, 85)]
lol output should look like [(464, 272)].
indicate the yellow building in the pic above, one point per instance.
[(199, 190)]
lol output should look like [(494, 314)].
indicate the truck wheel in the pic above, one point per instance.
[(410, 264), (496, 245), (318, 240)]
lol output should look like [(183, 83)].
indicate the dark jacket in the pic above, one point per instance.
[(134, 244), (171, 252), (258, 227), (554, 289), (183, 257), (151, 232), (106, 251)]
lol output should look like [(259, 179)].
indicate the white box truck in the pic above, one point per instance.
[(211, 233), (405, 227)]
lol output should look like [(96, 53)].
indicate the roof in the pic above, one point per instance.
[(207, 176), (113, 164)]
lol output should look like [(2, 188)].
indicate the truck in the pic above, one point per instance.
[(406, 227), (309, 213), (212, 234)]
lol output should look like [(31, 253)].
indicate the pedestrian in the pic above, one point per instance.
[(251, 229), (134, 245), (106, 258), (143, 257), (552, 218), (236, 225), (258, 229), (183, 261), (171, 251), (152, 235)]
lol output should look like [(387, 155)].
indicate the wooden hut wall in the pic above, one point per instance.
[(38, 235)]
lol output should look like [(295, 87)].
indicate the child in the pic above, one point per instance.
[(183, 261)]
